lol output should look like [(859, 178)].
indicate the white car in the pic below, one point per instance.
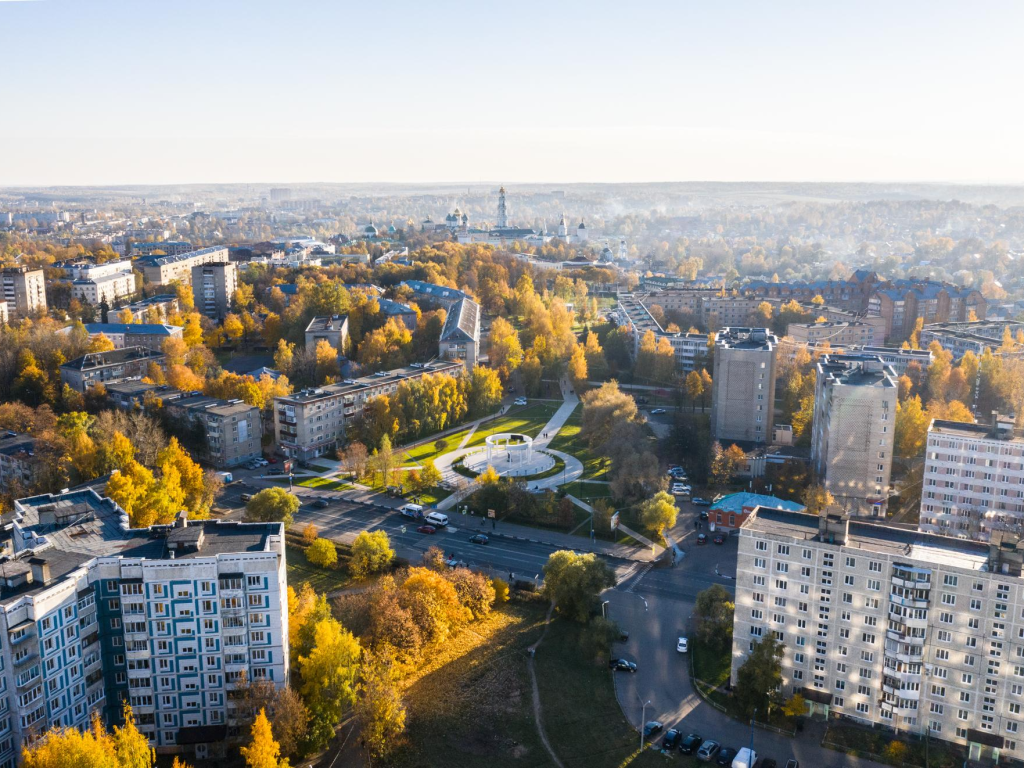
[(683, 645), (262, 463), (519, 401)]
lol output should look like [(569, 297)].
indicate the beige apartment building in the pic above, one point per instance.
[(842, 334), (460, 337), (743, 390), (24, 290), (729, 311), (212, 288), (333, 330), (852, 433), (165, 269), (888, 626), (233, 428), (311, 423), (973, 479)]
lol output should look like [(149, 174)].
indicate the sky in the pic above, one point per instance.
[(186, 91)]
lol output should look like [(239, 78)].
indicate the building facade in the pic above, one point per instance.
[(311, 423), (976, 337), (973, 479), (852, 433), (165, 269), (168, 618), (108, 288), (333, 330), (842, 334), (135, 334), (888, 626), (432, 295), (24, 290), (19, 463), (162, 305), (104, 368), (233, 429), (690, 348), (213, 285), (743, 388), (460, 337)]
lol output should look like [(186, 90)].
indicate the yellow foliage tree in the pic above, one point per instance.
[(263, 751), (100, 343)]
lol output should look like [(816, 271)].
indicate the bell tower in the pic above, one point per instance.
[(502, 213)]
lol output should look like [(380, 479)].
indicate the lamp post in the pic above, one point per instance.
[(604, 609), (643, 718)]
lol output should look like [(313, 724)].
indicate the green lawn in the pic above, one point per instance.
[(324, 483), (301, 571), (528, 420), (584, 490), (595, 467), (422, 454), (709, 665)]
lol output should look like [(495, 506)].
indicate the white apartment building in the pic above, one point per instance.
[(852, 433), (690, 348), (105, 288), (889, 626), (837, 334), (24, 290), (973, 479), (167, 617)]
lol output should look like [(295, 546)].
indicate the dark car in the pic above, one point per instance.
[(623, 665), (702, 538), (652, 728), (690, 744), (478, 538), (767, 762), (719, 539), (671, 740), (703, 514), (427, 529), (321, 503), (699, 502), (275, 471), (726, 755), (623, 636)]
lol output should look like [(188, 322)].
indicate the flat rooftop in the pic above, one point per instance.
[(746, 338), (1003, 431), (325, 324), (354, 386), (857, 371)]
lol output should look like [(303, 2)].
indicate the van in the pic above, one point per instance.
[(226, 477), (436, 518), (414, 511), (745, 758), (245, 497)]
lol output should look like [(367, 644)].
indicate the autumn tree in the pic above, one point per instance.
[(911, 428), (354, 458), (272, 505), (694, 387), (323, 553), (485, 391), (578, 368), (817, 499), (659, 512), (574, 581), (714, 610), (263, 751), (371, 553), (329, 673), (505, 351), (379, 704), (309, 534)]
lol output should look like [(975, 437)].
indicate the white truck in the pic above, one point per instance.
[(745, 758), (225, 477)]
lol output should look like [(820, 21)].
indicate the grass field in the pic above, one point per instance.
[(324, 484), (595, 467), (528, 420), (301, 571), (584, 490), (422, 454)]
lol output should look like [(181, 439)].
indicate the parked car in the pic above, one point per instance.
[(708, 750), (623, 636), (454, 562), (683, 645), (792, 763), (703, 514), (622, 665), (725, 756), (262, 462), (746, 758), (699, 502), (519, 401), (702, 538), (657, 411), (275, 471), (652, 728), (690, 744), (427, 529), (478, 538), (671, 739), (719, 539), (321, 503), (272, 460)]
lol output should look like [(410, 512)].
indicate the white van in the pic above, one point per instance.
[(414, 511), (745, 758), (437, 519)]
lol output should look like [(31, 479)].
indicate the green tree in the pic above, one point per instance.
[(817, 499), (272, 505), (574, 581), (796, 706), (323, 553), (714, 610), (659, 512), (371, 553), (379, 705), (329, 671), (758, 680)]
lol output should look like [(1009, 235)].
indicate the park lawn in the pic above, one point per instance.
[(585, 491), (527, 420), (301, 571), (709, 665), (469, 703), (595, 466), (585, 728), (424, 453), (324, 483)]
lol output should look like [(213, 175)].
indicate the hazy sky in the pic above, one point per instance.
[(172, 91)]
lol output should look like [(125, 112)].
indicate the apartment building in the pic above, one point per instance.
[(689, 348), (904, 302), (166, 269), (852, 294), (743, 390), (213, 285), (166, 248), (233, 428), (433, 295), (163, 305), (311, 423), (19, 463), (151, 336), (976, 337), (333, 330), (460, 337), (839, 315), (837, 334), (731, 311), (105, 288), (129, 395), (688, 301), (973, 479), (899, 359), (111, 367), (168, 618), (402, 312), (888, 626), (852, 433), (24, 290)]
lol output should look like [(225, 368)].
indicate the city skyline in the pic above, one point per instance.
[(396, 93)]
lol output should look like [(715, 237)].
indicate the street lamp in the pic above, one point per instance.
[(604, 610), (643, 719)]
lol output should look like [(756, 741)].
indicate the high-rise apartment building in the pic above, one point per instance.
[(852, 434), (888, 626), (973, 479), (212, 287), (743, 390), (168, 618), (165, 269), (24, 290)]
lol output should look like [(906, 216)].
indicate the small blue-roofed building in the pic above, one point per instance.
[(400, 311), (435, 295), (729, 512), (148, 335)]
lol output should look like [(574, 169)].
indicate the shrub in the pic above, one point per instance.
[(322, 552)]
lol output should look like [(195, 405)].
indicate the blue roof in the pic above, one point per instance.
[(389, 307), (736, 502), (145, 329)]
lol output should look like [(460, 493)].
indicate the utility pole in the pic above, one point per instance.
[(643, 718)]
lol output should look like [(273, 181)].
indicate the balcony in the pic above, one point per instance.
[(15, 641), (30, 681), (26, 659)]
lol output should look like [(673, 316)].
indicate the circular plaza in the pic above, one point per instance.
[(511, 455)]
